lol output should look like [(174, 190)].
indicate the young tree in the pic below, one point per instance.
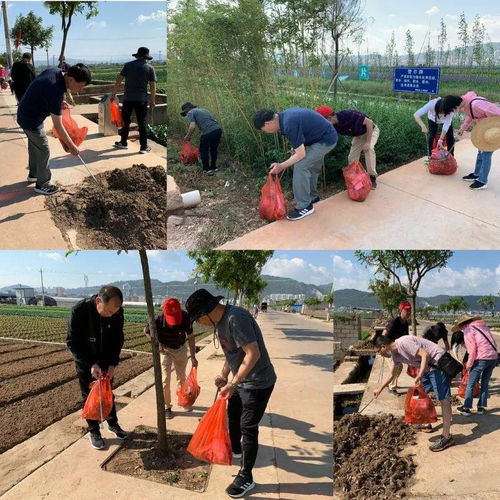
[(455, 304), (396, 57), (33, 34), (390, 49), (488, 303), (406, 266), (442, 38), (389, 295), (478, 38), (463, 37), (409, 48), (236, 271), (430, 54), (67, 10)]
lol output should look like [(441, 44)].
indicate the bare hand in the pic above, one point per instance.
[(73, 150), (276, 168), (152, 103), (95, 371), (424, 130), (377, 392), (220, 381), (460, 132), (366, 147), (111, 371), (65, 105), (418, 380), (194, 361), (228, 390)]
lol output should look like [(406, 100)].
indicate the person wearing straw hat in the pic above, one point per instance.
[(253, 377), (95, 339), (137, 74), (482, 359), (486, 139), (173, 327), (210, 134), (364, 135)]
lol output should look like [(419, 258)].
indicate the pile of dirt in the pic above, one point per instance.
[(367, 463), (366, 345), (126, 212), (455, 400)]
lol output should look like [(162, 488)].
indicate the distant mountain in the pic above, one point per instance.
[(357, 298), (11, 288)]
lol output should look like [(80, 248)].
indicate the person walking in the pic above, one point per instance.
[(312, 138), (95, 339), (364, 135), (43, 98), (482, 359), (137, 74), (210, 134), (252, 382), (22, 74), (173, 327)]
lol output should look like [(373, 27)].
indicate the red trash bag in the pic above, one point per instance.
[(210, 442), (462, 388), (272, 205), (412, 371), (441, 162), (420, 409), (5, 85), (357, 181), (76, 133), (99, 401), (116, 114), (189, 153), (189, 390)]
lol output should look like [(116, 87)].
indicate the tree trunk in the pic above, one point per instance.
[(336, 40), (63, 46), (32, 55), (163, 445), (414, 313)]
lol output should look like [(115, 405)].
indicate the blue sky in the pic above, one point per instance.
[(467, 273), (118, 30), (107, 266)]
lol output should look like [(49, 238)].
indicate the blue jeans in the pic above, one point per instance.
[(438, 382), (483, 165), (482, 368)]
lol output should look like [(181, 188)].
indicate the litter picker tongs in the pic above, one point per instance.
[(90, 172)]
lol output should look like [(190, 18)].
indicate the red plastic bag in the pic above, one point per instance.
[(272, 205), (441, 162), (412, 371), (99, 401), (189, 390), (5, 85), (210, 442), (116, 114), (189, 153), (420, 409), (357, 181), (76, 133), (462, 388)]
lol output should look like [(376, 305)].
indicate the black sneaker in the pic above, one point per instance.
[(47, 189), (119, 145), (168, 413), (145, 150), (442, 444), (373, 178), (469, 177), (117, 431), (464, 411), (315, 200), (299, 214), (96, 440), (476, 185), (481, 410), (240, 486), (393, 392), (209, 172)]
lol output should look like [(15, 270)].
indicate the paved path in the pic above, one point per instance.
[(24, 220), (295, 454), (410, 209)]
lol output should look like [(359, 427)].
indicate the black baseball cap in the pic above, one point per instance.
[(186, 107), (201, 303)]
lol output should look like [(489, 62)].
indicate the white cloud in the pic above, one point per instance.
[(432, 10), (96, 24), (176, 275), (52, 256), (298, 269), (393, 15), (342, 265), (159, 15)]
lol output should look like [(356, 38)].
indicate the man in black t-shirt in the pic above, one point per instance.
[(173, 326), (395, 328), (22, 74), (437, 332)]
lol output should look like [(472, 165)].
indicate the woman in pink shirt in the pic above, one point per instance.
[(482, 359), (476, 108)]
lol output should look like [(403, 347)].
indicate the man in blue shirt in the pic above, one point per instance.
[(44, 97), (312, 137)]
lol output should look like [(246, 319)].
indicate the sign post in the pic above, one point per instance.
[(421, 80)]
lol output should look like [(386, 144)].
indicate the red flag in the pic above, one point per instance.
[(18, 39)]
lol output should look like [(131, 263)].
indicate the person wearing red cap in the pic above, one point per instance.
[(364, 135), (396, 328), (173, 326)]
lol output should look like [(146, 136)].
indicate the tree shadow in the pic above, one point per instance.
[(306, 334), (15, 193), (323, 361)]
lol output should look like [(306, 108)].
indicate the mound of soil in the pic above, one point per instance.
[(366, 451), (455, 400), (366, 345), (126, 212)]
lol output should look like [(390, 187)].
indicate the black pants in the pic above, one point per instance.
[(141, 112), (19, 91), (245, 410), (85, 378), (433, 131), (208, 149)]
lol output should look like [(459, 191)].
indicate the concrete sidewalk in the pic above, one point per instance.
[(294, 460), (410, 209), (24, 220)]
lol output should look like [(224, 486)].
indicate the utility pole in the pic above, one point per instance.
[(86, 279), (8, 48), (47, 50), (43, 291)]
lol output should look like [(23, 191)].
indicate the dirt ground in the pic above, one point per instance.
[(126, 212), (38, 386), (367, 457), (139, 457)]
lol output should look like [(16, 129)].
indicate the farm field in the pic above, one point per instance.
[(39, 387)]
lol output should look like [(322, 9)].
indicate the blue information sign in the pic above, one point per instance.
[(363, 72), (423, 80)]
